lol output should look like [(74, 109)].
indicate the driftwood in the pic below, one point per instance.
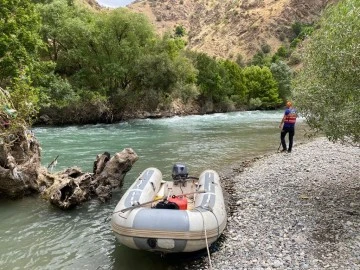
[(19, 164), (72, 187), (21, 173)]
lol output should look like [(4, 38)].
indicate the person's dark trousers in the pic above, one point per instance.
[(284, 131)]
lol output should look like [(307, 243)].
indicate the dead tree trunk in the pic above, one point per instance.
[(72, 187), (21, 173), (19, 164)]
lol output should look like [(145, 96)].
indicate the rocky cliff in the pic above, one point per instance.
[(228, 28)]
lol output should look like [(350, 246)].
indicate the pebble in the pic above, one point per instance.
[(294, 211)]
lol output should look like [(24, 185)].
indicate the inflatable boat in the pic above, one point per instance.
[(183, 215)]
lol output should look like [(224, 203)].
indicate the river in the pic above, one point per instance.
[(36, 235)]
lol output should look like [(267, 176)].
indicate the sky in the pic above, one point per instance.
[(114, 3)]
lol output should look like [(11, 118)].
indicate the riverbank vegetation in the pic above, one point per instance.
[(79, 65), (327, 89), (65, 63)]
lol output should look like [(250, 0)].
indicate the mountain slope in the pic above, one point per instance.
[(228, 28)]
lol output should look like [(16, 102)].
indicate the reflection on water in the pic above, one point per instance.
[(35, 235)]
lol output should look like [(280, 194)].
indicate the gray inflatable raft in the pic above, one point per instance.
[(170, 216)]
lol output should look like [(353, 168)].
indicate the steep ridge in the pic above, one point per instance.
[(228, 28)]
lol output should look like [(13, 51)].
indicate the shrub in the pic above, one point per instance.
[(255, 103), (295, 59), (265, 48)]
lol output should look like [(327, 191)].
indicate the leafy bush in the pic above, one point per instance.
[(294, 59), (295, 42), (225, 105), (179, 31), (265, 48), (186, 92), (261, 84), (282, 52), (255, 103), (282, 74), (327, 89)]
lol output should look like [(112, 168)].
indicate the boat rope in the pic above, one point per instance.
[(217, 222), (207, 208), (206, 240)]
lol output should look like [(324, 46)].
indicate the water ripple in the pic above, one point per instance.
[(35, 235)]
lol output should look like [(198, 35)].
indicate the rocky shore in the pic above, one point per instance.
[(294, 211)]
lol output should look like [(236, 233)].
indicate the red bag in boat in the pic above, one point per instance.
[(181, 201)]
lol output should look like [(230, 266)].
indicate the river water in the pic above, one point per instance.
[(36, 235)]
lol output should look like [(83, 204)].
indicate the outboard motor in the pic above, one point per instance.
[(179, 172)]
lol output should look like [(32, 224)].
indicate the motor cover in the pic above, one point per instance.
[(179, 171)]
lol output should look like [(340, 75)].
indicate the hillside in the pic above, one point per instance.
[(228, 28)]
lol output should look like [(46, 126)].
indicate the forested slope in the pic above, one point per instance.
[(78, 65)]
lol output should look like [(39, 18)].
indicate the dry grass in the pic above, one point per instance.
[(230, 27)]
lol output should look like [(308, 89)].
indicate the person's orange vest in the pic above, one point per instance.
[(291, 117)]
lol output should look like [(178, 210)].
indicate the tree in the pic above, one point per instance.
[(259, 59), (19, 39), (261, 84), (327, 89), (54, 16), (209, 79), (282, 74), (96, 50), (179, 31), (233, 81), (158, 74), (19, 45)]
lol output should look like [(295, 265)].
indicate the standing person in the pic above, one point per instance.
[(288, 120)]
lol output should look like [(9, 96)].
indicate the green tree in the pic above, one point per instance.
[(209, 79), (261, 84), (54, 16), (19, 39), (19, 45), (172, 46), (234, 82), (179, 31), (160, 73), (327, 89), (282, 74), (114, 54), (96, 50), (259, 59)]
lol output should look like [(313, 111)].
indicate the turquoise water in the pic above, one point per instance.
[(35, 235)]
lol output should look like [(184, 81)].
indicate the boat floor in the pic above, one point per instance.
[(187, 188)]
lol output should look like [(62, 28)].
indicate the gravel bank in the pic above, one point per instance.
[(294, 211)]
